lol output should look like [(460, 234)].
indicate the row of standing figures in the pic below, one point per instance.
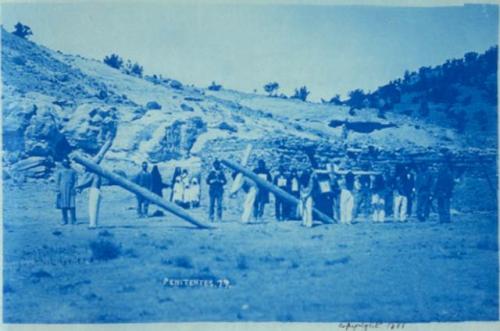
[(341, 196), (185, 189)]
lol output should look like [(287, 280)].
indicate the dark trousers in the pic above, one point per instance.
[(409, 208), (142, 207), (72, 213), (365, 203), (281, 209), (323, 202), (389, 202), (215, 198), (444, 209), (292, 209), (423, 206), (258, 209), (336, 207)]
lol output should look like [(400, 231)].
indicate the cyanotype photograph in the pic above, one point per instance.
[(228, 162)]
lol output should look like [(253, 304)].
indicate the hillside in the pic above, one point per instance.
[(55, 102), (460, 94)]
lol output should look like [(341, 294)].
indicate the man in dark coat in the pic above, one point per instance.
[(443, 191), (364, 205), (263, 195), (409, 189), (323, 193), (281, 206), (216, 181), (423, 186), (143, 179)]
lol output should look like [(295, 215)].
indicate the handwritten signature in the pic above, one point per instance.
[(349, 326)]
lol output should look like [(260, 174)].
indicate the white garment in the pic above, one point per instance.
[(346, 206), (94, 203), (378, 204), (400, 208), (178, 192), (192, 193), (248, 204), (306, 212)]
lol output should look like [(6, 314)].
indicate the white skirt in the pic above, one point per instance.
[(94, 203)]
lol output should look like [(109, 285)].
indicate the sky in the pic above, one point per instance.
[(330, 49)]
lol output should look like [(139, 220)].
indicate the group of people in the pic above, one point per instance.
[(346, 195), (341, 195), (185, 189)]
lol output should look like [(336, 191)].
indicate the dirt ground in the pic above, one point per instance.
[(128, 270)]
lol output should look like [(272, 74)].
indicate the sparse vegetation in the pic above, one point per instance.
[(272, 88), (183, 262), (241, 262), (153, 105), (104, 250), (215, 87), (22, 31), (334, 100), (134, 69), (114, 61), (356, 99), (301, 93)]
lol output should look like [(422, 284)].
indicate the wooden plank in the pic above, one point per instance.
[(274, 189), (238, 180), (136, 189)]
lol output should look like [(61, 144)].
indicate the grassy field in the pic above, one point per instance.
[(126, 270)]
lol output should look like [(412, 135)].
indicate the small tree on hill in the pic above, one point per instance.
[(133, 69), (460, 121), (301, 93), (137, 69), (114, 61), (22, 30), (271, 88), (336, 100), (356, 99), (423, 110), (215, 87)]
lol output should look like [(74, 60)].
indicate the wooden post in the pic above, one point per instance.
[(237, 181), (274, 189), (136, 189)]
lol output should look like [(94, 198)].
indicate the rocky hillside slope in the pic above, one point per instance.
[(53, 103)]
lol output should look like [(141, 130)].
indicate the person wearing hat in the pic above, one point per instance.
[(216, 181)]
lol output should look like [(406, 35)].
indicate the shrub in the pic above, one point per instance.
[(301, 93), (227, 127), (19, 60), (175, 84), (241, 262), (104, 250), (461, 121), (356, 99), (183, 262), (215, 87), (114, 61), (153, 105), (22, 31), (271, 88), (423, 110), (335, 100), (134, 69)]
